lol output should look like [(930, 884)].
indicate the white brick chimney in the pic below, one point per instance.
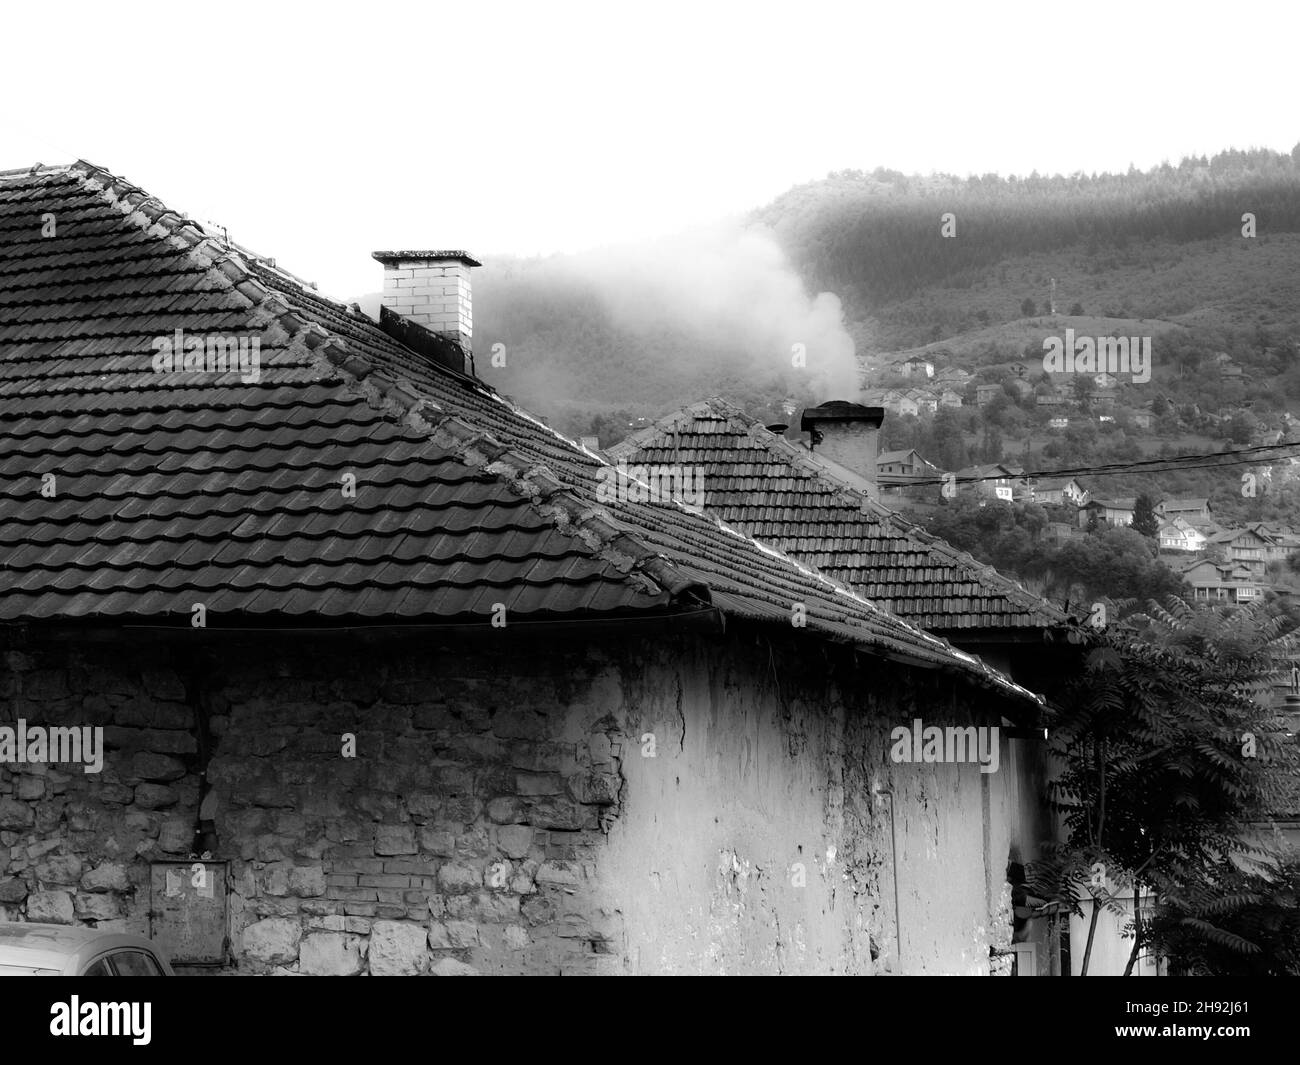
[(431, 288), (845, 437)]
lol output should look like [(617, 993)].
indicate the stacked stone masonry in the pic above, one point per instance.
[(548, 808)]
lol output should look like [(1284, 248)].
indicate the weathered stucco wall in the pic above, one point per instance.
[(693, 803)]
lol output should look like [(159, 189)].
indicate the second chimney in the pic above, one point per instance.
[(433, 289), (845, 435)]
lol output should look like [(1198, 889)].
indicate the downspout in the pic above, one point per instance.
[(879, 793)]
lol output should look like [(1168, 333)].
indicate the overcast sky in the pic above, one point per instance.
[(319, 132)]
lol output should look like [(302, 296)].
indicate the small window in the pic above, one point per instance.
[(135, 963), (99, 968)]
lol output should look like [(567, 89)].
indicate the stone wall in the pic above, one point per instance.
[(653, 803)]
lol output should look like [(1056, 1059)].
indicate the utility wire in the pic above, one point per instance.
[(1167, 464)]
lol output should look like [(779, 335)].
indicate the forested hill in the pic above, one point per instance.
[(636, 331), (874, 237)]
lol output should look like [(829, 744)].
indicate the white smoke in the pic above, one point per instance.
[(732, 287), (714, 310)]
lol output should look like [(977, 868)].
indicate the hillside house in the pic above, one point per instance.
[(950, 399), (1111, 511), (1228, 581), (1050, 397), (987, 393), (953, 376), (1179, 535), (905, 405), (1023, 388), (1248, 547), (1283, 541), (900, 464), (990, 481), (1059, 491), (1195, 511), (1058, 423), (895, 400), (1100, 402), (1141, 419), (916, 366), (368, 642), (1060, 532)]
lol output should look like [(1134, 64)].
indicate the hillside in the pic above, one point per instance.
[(824, 292), (878, 240), (1225, 280), (857, 262)]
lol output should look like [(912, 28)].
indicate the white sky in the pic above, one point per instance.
[(319, 132)]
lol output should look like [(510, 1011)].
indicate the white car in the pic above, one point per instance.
[(65, 950)]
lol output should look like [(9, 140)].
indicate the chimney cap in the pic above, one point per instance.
[(777, 428), (840, 410), (443, 256)]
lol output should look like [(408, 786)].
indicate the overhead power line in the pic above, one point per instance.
[(1257, 455)]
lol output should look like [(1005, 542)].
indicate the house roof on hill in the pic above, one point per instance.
[(1184, 504), (1224, 536), (182, 487), (898, 456), (781, 493), (988, 471)]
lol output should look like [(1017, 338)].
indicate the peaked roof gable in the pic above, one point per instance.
[(353, 480), (782, 494)]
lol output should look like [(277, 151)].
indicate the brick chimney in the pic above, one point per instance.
[(844, 436), (432, 289)]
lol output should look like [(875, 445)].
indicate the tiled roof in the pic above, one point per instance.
[(1228, 535), (778, 492), (896, 456), (167, 489), (986, 472)]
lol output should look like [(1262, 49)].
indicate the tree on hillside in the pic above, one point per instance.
[(1144, 517), (1241, 427), (1081, 385), (990, 449), (947, 446), (1076, 309), (1115, 563), (1169, 755), (1027, 308)]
